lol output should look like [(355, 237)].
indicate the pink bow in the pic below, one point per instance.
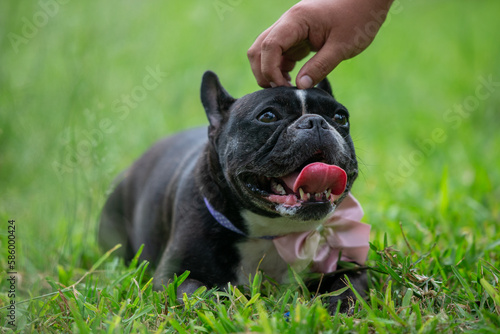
[(320, 248)]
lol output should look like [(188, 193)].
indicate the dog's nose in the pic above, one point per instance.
[(307, 122)]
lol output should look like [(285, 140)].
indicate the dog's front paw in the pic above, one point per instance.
[(189, 286), (347, 301), (334, 282)]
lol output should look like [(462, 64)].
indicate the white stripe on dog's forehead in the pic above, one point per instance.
[(301, 95)]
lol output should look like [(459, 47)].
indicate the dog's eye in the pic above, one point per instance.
[(267, 116), (340, 119)]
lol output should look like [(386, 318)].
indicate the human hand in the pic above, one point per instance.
[(335, 29)]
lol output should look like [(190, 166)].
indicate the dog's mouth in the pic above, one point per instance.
[(313, 183)]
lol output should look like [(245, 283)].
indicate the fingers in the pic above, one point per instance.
[(270, 63), (287, 65), (254, 56), (336, 29), (319, 66), (269, 57), (274, 55)]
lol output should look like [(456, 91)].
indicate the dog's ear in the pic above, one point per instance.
[(215, 99), (325, 86)]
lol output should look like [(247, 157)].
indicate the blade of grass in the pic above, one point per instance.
[(492, 292), (466, 286), (94, 268)]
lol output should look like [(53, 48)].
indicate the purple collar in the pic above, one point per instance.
[(221, 219)]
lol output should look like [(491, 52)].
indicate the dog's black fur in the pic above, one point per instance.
[(159, 202)]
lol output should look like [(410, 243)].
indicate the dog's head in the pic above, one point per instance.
[(282, 151)]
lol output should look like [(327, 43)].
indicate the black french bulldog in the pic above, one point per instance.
[(275, 162)]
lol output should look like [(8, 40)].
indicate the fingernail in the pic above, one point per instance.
[(305, 82), (273, 84)]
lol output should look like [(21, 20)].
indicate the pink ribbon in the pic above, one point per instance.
[(320, 248)]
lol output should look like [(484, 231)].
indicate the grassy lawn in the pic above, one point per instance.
[(87, 86)]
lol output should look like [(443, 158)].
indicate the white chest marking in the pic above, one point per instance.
[(262, 255), (301, 94), (261, 226)]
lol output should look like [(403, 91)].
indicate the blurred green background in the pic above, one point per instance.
[(87, 86)]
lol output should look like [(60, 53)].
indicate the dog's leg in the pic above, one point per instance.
[(113, 225), (334, 282), (189, 286)]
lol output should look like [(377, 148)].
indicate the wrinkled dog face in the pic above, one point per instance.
[(296, 159)]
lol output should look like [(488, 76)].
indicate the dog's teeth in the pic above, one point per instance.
[(308, 196), (277, 188), (302, 194), (318, 196), (328, 192), (332, 199)]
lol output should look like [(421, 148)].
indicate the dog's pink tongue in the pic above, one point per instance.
[(318, 177)]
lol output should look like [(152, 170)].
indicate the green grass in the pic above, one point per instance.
[(423, 122)]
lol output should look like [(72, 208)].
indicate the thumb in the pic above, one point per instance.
[(318, 67)]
